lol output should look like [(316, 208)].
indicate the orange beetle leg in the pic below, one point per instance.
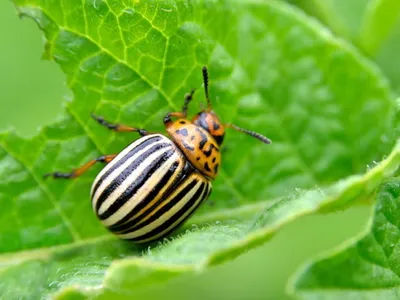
[(167, 119), (119, 127), (78, 172)]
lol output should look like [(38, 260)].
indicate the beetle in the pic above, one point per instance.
[(156, 183)]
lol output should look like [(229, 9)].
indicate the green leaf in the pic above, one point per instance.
[(343, 17), (328, 111), (84, 264), (372, 25), (380, 18), (366, 269), (390, 49), (367, 23)]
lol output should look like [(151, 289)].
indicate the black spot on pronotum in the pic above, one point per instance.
[(182, 131), (198, 158), (188, 147), (215, 125), (216, 168), (182, 122), (207, 167), (204, 138)]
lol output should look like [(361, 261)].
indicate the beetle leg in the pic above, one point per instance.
[(183, 113), (188, 98), (119, 127), (78, 172), (167, 119)]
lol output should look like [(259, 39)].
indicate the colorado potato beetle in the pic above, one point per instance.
[(156, 183)]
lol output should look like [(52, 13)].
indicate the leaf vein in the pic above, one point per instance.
[(74, 234)]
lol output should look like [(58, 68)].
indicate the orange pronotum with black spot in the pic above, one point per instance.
[(197, 144)]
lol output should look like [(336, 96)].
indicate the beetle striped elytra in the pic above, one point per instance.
[(156, 183)]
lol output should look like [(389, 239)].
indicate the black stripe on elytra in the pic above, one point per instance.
[(166, 226), (182, 131), (204, 138), (126, 172), (204, 196), (124, 158), (171, 203), (132, 189), (123, 224), (187, 171)]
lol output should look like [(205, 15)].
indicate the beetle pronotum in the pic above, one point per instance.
[(152, 186)]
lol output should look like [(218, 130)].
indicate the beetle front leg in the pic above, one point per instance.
[(180, 114), (188, 98), (78, 172), (168, 117), (119, 127)]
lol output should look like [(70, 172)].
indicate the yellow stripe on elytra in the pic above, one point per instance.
[(133, 201), (115, 160), (153, 181), (123, 186), (167, 215), (179, 220), (107, 181)]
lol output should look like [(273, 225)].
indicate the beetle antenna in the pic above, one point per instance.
[(249, 132), (205, 80)]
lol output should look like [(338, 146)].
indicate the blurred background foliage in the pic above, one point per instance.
[(32, 94), (373, 26)]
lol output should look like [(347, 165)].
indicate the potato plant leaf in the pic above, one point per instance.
[(327, 109), (366, 269)]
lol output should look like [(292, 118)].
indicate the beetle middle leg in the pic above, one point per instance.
[(119, 127), (78, 172)]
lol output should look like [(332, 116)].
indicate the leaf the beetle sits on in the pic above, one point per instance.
[(83, 264), (327, 109), (366, 269)]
